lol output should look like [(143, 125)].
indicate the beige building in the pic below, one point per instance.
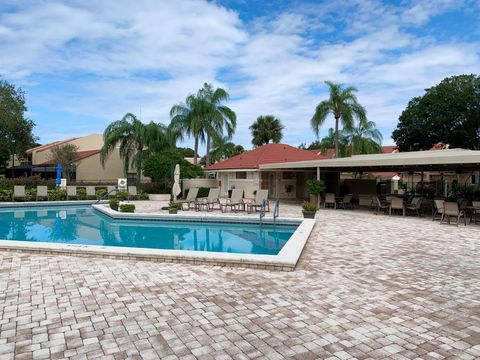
[(88, 166)]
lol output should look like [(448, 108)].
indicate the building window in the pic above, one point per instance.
[(241, 175), (131, 178)]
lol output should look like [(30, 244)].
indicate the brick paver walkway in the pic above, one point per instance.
[(366, 287)]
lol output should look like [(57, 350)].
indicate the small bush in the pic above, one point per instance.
[(315, 187), (82, 194), (127, 208), (309, 207), (113, 204), (122, 195), (57, 195), (30, 194), (6, 195), (142, 195), (101, 193), (174, 206)]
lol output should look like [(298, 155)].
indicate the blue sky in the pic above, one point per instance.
[(84, 64)]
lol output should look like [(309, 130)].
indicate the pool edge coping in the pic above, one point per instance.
[(286, 259)]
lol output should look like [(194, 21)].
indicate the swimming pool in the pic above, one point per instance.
[(87, 229), (83, 225)]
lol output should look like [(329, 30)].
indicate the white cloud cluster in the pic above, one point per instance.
[(100, 60)]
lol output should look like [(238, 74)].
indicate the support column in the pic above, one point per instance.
[(318, 173)]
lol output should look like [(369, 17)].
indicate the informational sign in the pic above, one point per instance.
[(122, 184)]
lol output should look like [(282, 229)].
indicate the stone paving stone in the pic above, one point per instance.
[(366, 286)]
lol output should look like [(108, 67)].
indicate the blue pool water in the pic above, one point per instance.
[(84, 225)]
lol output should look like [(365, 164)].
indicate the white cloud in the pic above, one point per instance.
[(100, 60)]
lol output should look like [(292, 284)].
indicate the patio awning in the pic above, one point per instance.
[(434, 160)]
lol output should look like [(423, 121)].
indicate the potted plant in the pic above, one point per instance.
[(114, 204), (315, 188), (173, 207), (309, 210)]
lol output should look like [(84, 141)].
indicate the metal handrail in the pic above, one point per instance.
[(106, 195), (276, 211), (262, 210)]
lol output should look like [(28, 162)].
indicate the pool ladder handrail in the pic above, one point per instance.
[(262, 211), (106, 195), (276, 211)]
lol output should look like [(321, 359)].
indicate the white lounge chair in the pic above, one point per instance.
[(452, 210), (91, 192), (235, 202), (72, 192), (330, 200), (396, 204), (438, 209), (42, 192), (18, 192), (260, 197), (210, 201), (190, 199)]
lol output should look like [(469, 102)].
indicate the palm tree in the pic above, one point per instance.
[(188, 119), (265, 129), (328, 142), (223, 149), (364, 138), (343, 105), (218, 117), (135, 140)]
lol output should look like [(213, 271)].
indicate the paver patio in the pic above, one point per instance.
[(366, 287)]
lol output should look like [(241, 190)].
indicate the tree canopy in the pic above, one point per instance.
[(16, 134), (265, 129), (67, 156), (447, 113)]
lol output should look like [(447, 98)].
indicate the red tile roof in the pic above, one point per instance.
[(80, 155), (47, 146), (266, 154), (389, 149)]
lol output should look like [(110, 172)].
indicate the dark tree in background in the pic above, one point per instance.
[(15, 130), (448, 113)]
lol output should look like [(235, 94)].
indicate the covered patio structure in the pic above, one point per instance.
[(460, 165)]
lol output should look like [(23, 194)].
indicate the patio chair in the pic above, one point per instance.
[(396, 204), (475, 211), (380, 206), (18, 192), (437, 209), (235, 202), (42, 192), (415, 205), (190, 199), (210, 201), (346, 202), (90, 190), (366, 200), (256, 204), (452, 210), (330, 200), (132, 191), (72, 192)]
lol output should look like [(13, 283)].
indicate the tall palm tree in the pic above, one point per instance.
[(343, 105), (265, 129), (218, 118), (188, 119), (135, 139), (365, 138)]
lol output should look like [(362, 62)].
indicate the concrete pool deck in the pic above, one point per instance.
[(366, 286)]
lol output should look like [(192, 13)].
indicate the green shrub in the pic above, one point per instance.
[(57, 195), (6, 195), (30, 194), (122, 195), (309, 207), (113, 204), (127, 208), (315, 187), (101, 193), (203, 192), (157, 187), (142, 195), (82, 194), (174, 206)]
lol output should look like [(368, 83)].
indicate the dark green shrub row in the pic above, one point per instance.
[(127, 208)]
